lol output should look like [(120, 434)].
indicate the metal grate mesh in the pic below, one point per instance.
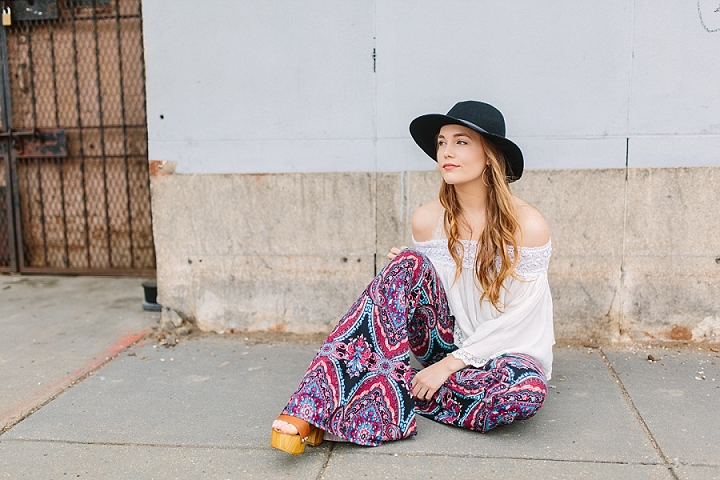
[(83, 73)]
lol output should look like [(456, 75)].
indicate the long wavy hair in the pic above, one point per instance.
[(499, 233)]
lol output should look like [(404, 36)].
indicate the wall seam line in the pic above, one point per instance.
[(622, 330), (375, 136)]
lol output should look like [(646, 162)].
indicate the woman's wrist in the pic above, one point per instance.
[(453, 364)]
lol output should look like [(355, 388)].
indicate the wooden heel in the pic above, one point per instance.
[(315, 437), (295, 444), (287, 443)]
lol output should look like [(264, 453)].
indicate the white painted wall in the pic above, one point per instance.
[(282, 86)]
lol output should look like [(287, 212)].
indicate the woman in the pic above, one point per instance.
[(477, 316)]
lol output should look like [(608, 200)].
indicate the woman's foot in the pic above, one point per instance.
[(290, 434), (284, 427)]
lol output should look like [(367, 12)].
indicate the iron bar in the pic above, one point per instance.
[(14, 235), (31, 75), (15, 134), (99, 17), (80, 133), (102, 136), (5, 103), (100, 272), (108, 126), (19, 248), (124, 132), (144, 105), (89, 157), (38, 175), (10, 236), (66, 240), (53, 70)]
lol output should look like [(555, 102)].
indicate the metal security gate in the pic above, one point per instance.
[(74, 182)]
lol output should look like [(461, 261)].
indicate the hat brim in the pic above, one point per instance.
[(425, 129)]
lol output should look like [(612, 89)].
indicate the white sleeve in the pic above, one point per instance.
[(524, 326)]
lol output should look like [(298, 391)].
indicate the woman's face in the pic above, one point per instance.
[(460, 155)]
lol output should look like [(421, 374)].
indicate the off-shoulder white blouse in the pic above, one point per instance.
[(481, 331)]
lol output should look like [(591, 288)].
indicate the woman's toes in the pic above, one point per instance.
[(284, 427)]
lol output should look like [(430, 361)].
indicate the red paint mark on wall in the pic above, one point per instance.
[(161, 168)]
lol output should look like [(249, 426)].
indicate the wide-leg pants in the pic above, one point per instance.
[(358, 386)]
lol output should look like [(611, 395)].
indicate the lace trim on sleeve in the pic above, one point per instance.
[(437, 251), (533, 260), (468, 359)]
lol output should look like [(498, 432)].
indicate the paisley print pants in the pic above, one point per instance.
[(358, 386)]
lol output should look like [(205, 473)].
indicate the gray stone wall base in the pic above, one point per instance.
[(634, 250)]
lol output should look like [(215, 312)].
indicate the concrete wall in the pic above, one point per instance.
[(633, 255), (615, 105), (263, 252)]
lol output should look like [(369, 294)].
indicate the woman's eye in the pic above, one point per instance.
[(462, 142), (440, 143)]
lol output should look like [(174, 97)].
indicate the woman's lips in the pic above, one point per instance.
[(449, 166)]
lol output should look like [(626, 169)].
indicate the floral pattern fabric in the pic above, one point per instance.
[(358, 386)]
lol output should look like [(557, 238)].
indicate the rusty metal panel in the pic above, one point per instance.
[(79, 131), (46, 143)]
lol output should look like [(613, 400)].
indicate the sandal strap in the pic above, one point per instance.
[(302, 426)]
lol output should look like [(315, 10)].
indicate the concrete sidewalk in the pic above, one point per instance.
[(202, 409), (55, 330)]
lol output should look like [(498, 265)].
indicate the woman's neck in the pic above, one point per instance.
[(473, 205), (472, 198)]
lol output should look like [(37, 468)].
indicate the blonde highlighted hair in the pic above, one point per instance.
[(502, 227)]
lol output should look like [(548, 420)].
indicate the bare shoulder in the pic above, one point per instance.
[(535, 230), (424, 220)]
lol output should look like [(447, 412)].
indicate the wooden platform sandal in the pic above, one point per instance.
[(295, 444)]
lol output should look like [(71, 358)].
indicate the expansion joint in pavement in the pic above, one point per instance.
[(326, 462), (141, 444), (638, 416), (511, 457)]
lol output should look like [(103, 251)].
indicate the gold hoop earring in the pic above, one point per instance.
[(486, 183)]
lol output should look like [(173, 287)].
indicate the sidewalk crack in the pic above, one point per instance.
[(668, 464), (326, 462)]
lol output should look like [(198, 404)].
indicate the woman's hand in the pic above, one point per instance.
[(394, 251), (428, 380)]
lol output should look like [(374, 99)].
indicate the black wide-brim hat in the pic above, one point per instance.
[(481, 117)]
